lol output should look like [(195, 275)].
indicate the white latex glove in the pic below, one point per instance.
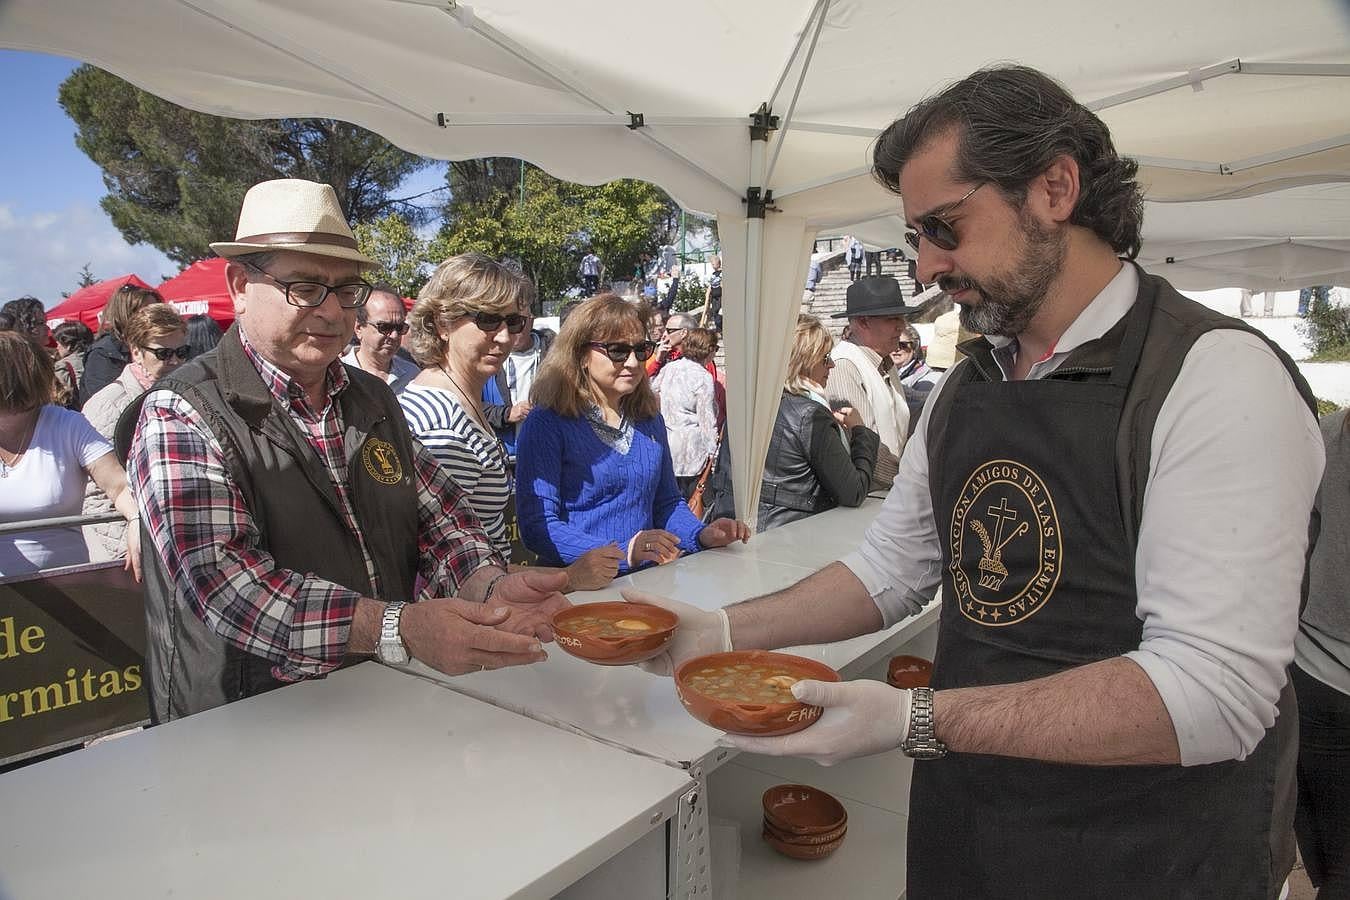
[(860, 718), (700, 632)]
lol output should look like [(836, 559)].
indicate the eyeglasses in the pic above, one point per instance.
[(388, 328), (491, 323), (164, 354), (618, 352), (308, 294), (905, 345), (937, 229)]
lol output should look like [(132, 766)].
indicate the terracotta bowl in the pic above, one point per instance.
[(755, 717), (909, 672), (799, 809), (826, 837), (801, 851), (632, 644)]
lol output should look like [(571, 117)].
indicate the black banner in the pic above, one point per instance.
[(72, 647)]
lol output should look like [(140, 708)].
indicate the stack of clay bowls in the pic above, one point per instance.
[(803, 822)]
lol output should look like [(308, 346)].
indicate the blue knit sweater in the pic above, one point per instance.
[(575, 493)]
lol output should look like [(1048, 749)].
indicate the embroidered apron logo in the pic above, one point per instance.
[(381, 461), (1004, 509)]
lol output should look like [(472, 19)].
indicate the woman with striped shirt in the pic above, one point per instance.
[(463, 326)]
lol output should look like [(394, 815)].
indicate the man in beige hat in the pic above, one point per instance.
[(289, 520)]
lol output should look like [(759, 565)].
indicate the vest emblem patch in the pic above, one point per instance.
[(381, 461), (1004, 514)]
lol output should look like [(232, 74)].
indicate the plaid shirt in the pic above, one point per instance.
[(207, 542)]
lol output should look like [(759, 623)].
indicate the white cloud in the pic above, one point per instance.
[(42, 252)]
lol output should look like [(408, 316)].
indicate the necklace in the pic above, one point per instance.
[(472, 407), (7, 466)]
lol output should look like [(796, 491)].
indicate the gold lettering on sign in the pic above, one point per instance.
[(77, 687)]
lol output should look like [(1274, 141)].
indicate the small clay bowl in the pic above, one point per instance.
[(799, 809), (909, 672), (801, 851), (826, 837), (615, 650), (763, 719)]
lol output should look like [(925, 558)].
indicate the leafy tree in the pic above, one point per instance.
[(555, 225), (403, 259), (175, 177), (86, 276)]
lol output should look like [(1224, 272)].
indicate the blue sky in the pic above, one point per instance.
[(50, 220)]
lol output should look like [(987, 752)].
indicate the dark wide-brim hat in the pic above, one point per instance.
[(875, 295)]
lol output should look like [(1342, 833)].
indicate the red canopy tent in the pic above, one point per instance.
[(85, 304), (200, 289)]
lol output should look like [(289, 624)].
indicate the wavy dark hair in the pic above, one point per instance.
[(1012, 122)]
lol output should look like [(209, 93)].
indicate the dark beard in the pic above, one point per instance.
[(1008, 303)]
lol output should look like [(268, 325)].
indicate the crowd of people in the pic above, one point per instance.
[(1113, 699)]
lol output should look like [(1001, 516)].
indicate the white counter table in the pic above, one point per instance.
[(364, 784), (626, 707)]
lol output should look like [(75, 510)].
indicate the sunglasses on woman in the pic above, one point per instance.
[(936, 229), (618, 352), (906, 345), (388, 328), (164, 354), (491, 323)]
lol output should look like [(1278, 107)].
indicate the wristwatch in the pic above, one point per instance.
[(391, 650), (922, 742)]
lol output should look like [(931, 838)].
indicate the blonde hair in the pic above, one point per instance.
[(810, 344), (122, 305), (461, 286), (563, 384), (153, 322)]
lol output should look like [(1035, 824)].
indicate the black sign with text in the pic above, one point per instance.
[(72, 647)]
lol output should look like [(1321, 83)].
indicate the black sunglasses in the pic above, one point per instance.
[(491, 323), (309, 294), (618, 352), (388, 328), (906, 345), (937, 229), (164, 354)]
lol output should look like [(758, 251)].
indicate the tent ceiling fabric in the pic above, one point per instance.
[(393, 65), (493, 69)]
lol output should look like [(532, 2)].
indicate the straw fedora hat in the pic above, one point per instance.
[(942, 351), (293, 214)]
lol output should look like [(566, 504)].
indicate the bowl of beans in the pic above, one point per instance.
[(615, 633), (750, 691)]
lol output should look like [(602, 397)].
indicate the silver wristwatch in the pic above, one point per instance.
[(922, 742), (391, 650)]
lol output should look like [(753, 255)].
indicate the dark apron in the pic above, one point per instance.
[(1039, 578)]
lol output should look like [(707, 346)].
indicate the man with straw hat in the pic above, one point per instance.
[(289, 520)]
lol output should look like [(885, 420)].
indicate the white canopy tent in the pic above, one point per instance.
[(1217, 99)]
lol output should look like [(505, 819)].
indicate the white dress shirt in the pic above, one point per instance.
[(1236, 461)]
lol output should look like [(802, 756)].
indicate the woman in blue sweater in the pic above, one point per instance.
[(592, 464)]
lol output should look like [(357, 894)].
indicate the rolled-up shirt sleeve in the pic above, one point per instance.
[(900, 559), (1222, 541)]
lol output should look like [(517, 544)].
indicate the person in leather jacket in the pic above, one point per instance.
[(818, 458)]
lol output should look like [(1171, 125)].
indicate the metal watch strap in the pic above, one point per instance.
[(922, 742), (390, 647)]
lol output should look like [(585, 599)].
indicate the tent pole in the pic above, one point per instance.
[(754, 260), (796, 93)]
